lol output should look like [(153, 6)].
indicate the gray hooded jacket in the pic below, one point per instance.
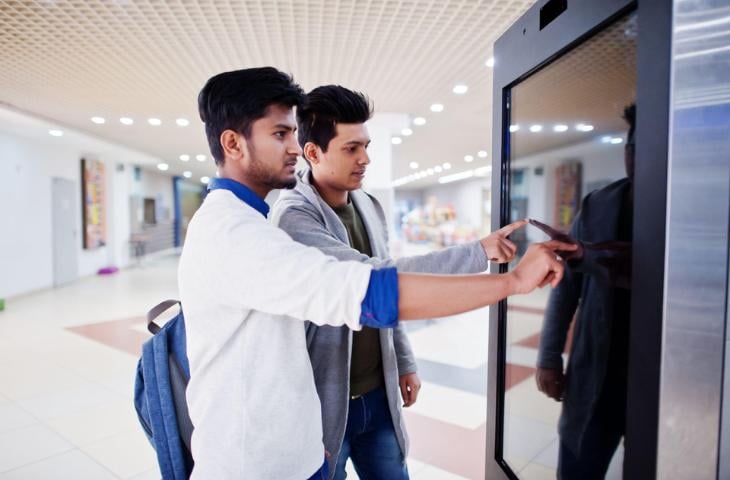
[(305, 216)]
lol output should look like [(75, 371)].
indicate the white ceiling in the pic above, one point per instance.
[(67, 61)]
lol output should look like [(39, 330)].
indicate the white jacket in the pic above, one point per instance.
[(245, 288)]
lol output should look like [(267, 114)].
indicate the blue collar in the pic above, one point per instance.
[(240, 190)]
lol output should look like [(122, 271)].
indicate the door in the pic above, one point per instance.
[(560, 360), (65, 234)]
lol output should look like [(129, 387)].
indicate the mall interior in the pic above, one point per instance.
[(485, 112)]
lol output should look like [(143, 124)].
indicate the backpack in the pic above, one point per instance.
[(163, 372)]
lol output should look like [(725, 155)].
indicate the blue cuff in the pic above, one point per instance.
[(380, 305)]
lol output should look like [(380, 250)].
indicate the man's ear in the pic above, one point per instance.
[(312, 153), (233, 144)]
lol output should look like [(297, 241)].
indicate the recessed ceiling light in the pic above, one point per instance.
[(514, 128), (55, 133), (617, 140), (446, 165), (460, 89), (606, 139), (490, 62), (437, 107), (560, 128), (98, 120), (396, 140), (482, 154), (468, 158), (156, 122), (204, 180), (535, 128), (430, 171), (187, 174), (437, 169), (126, 121), (200, 157), (182, 122), (419, 121), (406, 132), (184, 157), (413, 165), (583, 127), (163, 166)]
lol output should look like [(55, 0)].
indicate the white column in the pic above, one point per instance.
[(379, 177)]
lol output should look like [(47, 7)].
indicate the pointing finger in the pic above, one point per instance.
[(508, 229)]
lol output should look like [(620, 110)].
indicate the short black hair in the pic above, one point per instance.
[(234, 100), (630, 117), (326, 106)]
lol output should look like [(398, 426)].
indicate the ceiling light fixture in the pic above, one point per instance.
[(126, 121), (437, 107), (396, 140), (419, 121), (482, 154), (560, 128), (460, 89), (182, 122), (184, 157), (155, 122), (438, 169), (456, 176), (406, 132), (187, 174), (200, 157), (204, 180), (163, 166), (446, 165), (413, 165), (468, 158), (535, 128), (514, 128), (98, 120), (583, 127), (55, 133), (490, 62)]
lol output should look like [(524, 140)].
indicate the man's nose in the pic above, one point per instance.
[(295, 149), (364, 159)]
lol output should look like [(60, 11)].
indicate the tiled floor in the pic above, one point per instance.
[(69, 355)]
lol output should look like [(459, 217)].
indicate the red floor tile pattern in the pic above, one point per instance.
[(449, 447)]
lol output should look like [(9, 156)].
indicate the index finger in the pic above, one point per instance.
[(508, 229), (547, 229)]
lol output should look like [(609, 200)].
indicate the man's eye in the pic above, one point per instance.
[(352, 149), (280, 134)]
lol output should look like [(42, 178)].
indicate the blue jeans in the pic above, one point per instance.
[(322, 473), (370, 441)]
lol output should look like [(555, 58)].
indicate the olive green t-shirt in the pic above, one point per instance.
[(366, 367)]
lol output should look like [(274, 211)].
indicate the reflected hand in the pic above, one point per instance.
[(410, 385), (539, 266), (554, 234), (551, 382), (496, 245)]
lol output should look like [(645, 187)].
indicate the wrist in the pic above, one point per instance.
[(513, 284)]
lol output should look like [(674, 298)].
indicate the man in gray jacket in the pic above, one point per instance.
[(358, 374)]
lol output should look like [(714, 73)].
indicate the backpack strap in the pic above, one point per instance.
[(156, 311)]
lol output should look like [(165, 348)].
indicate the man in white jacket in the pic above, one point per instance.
[(246, 288)]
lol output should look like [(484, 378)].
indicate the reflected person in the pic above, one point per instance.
[(597, 285)]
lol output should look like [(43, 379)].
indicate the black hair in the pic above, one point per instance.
[(234, 100), (327, 106), (630, 117)]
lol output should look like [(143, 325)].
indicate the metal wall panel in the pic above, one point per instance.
[(697, 244)]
